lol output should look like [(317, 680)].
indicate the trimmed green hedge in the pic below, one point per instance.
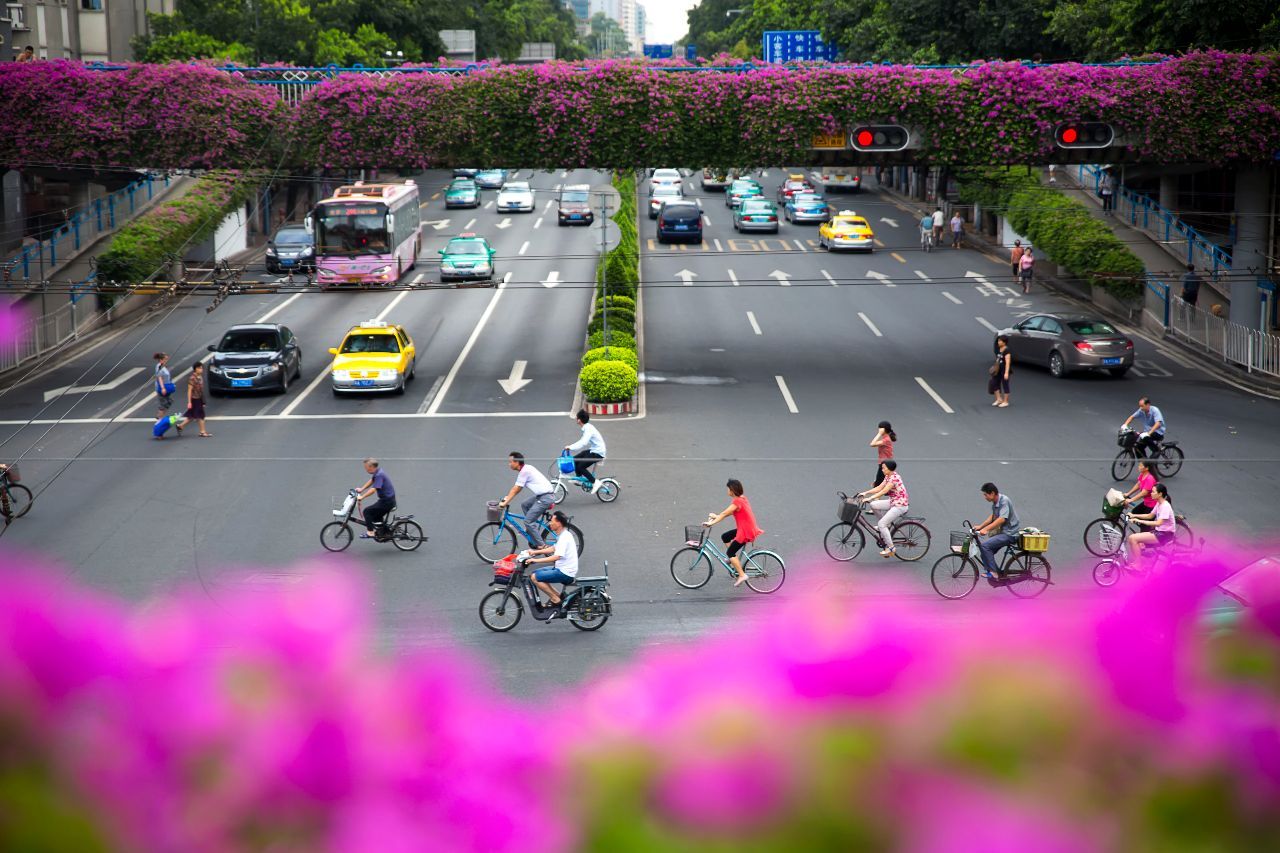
[(616, 301), (612, 354), (1058, 227), (141, 248), (617, 338), (623, 320), (609, 381)]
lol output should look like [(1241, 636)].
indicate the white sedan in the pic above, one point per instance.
[(664, 177), (515, 196)]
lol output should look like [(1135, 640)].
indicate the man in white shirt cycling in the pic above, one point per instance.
[(564, 554), (587, 450), (540, 498)]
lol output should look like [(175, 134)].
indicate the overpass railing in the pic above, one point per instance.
[(1161, 224), (1253, 349)]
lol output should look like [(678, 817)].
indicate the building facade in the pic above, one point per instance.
[(89, 30)]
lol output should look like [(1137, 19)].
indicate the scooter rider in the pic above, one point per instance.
[(564, 554), (587, 450)]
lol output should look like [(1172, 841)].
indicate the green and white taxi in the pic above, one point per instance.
[(468, 257)]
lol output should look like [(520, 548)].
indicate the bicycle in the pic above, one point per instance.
[(1025, 571), (401, 530), (1166, 454), (607, 493), (497, 537), (585, 602), (15, 498), (1107, 573), (691, 566), (1103, 536), (846, 538), (926, 239)]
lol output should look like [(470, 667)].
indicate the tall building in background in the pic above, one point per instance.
[(91, 30), (581, 9), (642, 24)]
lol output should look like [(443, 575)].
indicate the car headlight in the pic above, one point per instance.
[(213, 368), (381, 271), (270, 251), (389, 373), (482, 265), (342, 375), (272, 368), (309, 250)]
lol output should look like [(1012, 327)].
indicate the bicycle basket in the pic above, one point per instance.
[(1035, 543), (847, 510), (493, 511), (12, 473), (1126, 438), (695, 535), (1109, 538), (960, 540), (1112, 512)]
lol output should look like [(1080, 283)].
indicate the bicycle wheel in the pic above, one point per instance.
[(407, 535), (1107, 572), (493, 541), (1170, 461), (558, 492), (608, 491), (911, 541), (1182, 535), (954, 576), (1122, 467), (501, 610), (590, 614), (1028, 575), (336, 536), (691, 568), (765, 571), (19, 500), (1102, 537), (844, 542)]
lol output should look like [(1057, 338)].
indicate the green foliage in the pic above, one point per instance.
[(606, 39), (612, 354), (616, 301), (608, 381), (183, 45), (617, 338), (367, 47), (624, 320)]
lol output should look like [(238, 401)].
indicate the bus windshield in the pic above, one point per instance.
[(352, 230)]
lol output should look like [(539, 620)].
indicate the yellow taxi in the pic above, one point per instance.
[(846, 230), (374, 356)]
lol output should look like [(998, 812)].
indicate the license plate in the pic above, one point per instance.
[(241, 383), (682, 227), (1109, 361), (575, 216), (354, 278), (286, 263), (364, 383)]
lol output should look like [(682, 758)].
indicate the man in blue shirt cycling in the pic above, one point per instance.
[(1152, 420), (926, 231)]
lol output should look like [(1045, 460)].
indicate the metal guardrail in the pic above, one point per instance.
[(1253, 349), (38, 335)]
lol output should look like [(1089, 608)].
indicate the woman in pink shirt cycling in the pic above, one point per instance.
[(746, 531), (1164, 526), (1144, 489)]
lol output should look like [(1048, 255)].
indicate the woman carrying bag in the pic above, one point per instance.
[(998, 384)]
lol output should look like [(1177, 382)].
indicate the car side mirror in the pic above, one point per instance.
[(213, 347), (440, 252), (333, 350)]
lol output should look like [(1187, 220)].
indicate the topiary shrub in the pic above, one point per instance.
[(617, 315), (617, 338), (612, 353), (625, 323), (617, 301), (609, 381)]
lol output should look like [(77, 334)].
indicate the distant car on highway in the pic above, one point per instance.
[(1068, 342), (680, 220), (491, 179), (465, 173), (807, 207), (467, 257), (792, 185), (253, 357), (664, 176), (292, 247), (575, 206), (846, 230), (840, 180), (716, 179), (662, 194), (515, 196), (373, 356), (462, 192), (740, 189), (756, 214)]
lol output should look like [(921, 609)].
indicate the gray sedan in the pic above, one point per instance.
[(1067, 342)]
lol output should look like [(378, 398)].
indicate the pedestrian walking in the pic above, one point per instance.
[(28, 55), (939, 223), (1027, 269), (164, 386), (883, 443), (1190, 287), (957, 230), (1108, 191), (1015, 255), (998, 384), (195, 398), (1053, 174)]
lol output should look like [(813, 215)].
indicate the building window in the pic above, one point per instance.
[(91, 5)]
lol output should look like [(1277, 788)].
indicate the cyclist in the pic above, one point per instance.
[(375, 516), (1143, 491), (1164, 526), (890, 508), (926, 232), (746, 531), (564, 554), (539, 502), (1152, 420), (6, 509), (587, 450), (1000, 528)]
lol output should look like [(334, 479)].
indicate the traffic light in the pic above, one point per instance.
[(1084, 134), (880, 137)]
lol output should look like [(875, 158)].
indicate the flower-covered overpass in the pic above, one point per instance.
[(1209, 107)]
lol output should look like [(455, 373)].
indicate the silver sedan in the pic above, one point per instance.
[(1067, 342), (515, 197)]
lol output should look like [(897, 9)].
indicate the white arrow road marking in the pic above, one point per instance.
[(755, 327), (952, 298), (524, 248), (733, 277), (552, 279), (881, 277), (466, 348), (870, 325), (1016, 303), (687, 277), (516, 380), (934, 394), (892, 223), (438, 224), (101, 386), (990, 327), (505, 223), (786, 395), (922, 275), (783, 278), (828, 277)]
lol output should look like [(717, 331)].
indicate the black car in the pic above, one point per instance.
[(252, 357), (680, 220), (465, 173), (292, 247)]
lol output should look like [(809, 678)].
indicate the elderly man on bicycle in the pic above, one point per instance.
[(999, 530)]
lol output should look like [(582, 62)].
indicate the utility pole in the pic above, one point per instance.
[(604, 271)]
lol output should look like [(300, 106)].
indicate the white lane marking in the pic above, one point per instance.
[(952, 298), (394, 302), (562, 175), (1136, 372), (558, 186), (881, 277), (548, 205), (828, 277), (716, 241), (488, 204), (431, 395), (524, 248), (466, 349), (870, 325), (537, 223), (267, 316), (706, 220), (100, 386), (755, 327), (467, 227), (922, 275), (786, 395), (990, 327), (733, 277), (800, 245), (552, 279), (934, 394)]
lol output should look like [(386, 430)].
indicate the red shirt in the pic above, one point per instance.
[(745, 519), (885, 448)]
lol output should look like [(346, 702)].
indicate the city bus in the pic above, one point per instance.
[(366, 233)]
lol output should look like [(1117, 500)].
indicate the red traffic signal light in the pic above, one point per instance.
[(879, 137), (1084, 134)]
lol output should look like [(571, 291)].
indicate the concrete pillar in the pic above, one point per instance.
[(1249, 255), (1169, 192)]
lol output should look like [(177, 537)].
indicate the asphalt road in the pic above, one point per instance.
[(772, 365)]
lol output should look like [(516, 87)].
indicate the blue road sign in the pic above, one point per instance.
[(797, 46), (658, 51), (691, 52)]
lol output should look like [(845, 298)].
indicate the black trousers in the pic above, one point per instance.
[(378, 512), (582, 467), (1151, 441)]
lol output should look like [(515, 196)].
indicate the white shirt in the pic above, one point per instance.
[(533, 480), (590, 440), (566, 551)]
